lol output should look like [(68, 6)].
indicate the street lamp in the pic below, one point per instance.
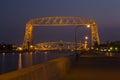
[(86, 37), (86, 42)]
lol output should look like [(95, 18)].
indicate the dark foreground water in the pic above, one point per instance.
[(15, 61)]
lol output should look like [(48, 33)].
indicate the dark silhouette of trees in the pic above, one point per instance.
[(7, 47)]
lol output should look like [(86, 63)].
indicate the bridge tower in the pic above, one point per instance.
[(60, 21)]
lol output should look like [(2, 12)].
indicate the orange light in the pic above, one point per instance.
[(20, 49), (31, 46), (86, 37), (88, 26)]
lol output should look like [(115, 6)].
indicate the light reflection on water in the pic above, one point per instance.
[(110, 54), (15, 61), (20, 61), (3, 62)]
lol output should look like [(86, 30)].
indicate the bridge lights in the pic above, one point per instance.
[(86, 43), (86, 37), (88, 25), (31, 46), (19, 48)]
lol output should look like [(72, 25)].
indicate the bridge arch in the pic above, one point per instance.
[(60, 21)]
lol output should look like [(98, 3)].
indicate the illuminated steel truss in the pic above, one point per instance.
[(60, 21), (59, 46)]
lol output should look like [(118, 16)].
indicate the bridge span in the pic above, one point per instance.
[(61, 46), (60, 21)]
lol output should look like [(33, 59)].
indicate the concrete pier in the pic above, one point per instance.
[(95, 68), (51, 70)]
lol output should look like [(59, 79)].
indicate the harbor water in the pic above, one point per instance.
[(15, 61)]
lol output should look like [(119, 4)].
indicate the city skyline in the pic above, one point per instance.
[(15, 15)]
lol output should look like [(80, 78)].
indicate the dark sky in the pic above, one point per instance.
[(15, 13)]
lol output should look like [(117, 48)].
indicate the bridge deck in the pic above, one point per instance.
[(95, 69)]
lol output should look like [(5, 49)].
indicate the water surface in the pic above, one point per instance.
[(15, 61)]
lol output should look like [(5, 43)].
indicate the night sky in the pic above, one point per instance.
[(14, 15)]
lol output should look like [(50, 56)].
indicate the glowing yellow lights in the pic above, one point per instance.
[(111, 48), (116, 48), (86, 43), (86, 37), (31, 46), (88, 26), (20, 49)]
